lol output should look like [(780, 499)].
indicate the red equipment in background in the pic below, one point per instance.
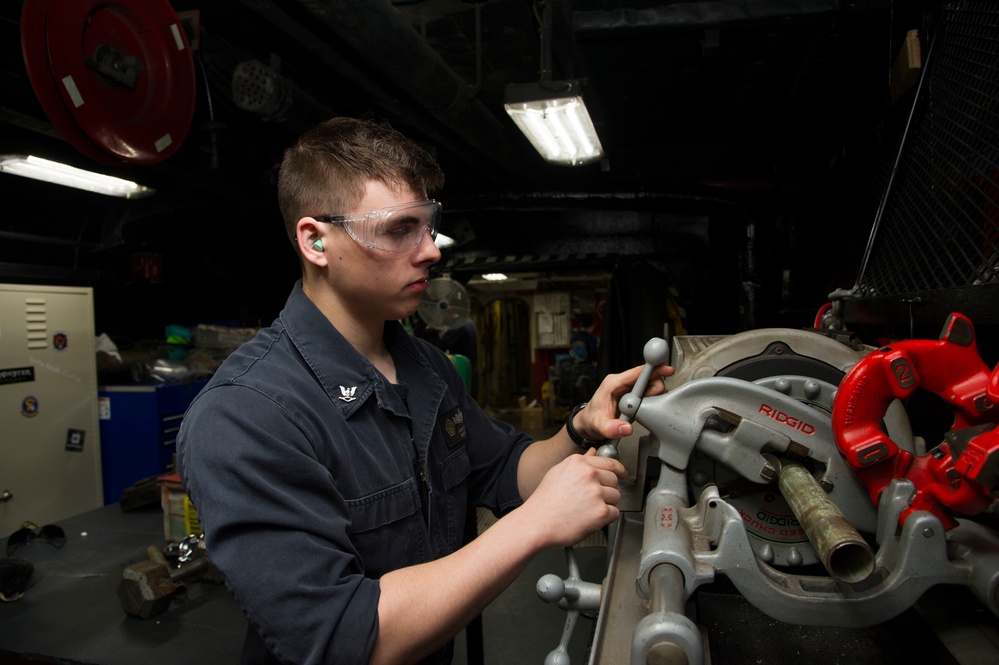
[(962, 473)]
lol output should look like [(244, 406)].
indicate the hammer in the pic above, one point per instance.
[(147, 588)]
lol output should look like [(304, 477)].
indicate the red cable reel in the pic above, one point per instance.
[(962, 473), (116, 78)]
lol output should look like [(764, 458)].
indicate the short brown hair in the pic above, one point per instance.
[(326, 170)]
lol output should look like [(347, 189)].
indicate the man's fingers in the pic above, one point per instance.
[(608, 478), (611, 496), (604, 463), (600, 462)]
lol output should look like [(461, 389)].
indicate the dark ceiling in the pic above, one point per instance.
[(716, 117)]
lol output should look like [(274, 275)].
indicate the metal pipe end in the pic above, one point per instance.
[(851, 561), (843, 551)]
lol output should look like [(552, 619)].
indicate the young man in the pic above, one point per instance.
[(331, 458)]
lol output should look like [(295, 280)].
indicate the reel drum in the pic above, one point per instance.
[(115, 78)]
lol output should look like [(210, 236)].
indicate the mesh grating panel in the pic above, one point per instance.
[(939, 224)]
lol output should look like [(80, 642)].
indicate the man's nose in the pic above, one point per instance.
[(427, 248)]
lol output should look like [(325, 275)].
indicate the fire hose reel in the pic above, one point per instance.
[(115, 78)]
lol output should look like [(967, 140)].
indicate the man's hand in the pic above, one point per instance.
[(576, 497), (599, 419)]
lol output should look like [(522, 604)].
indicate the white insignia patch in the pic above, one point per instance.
[(347, 394)]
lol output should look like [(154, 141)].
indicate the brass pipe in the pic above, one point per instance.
[(840, 547)]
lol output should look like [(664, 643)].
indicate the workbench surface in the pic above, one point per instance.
[(72, 614)]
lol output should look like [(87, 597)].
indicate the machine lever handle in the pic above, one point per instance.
[(572, 595), (655, 352)]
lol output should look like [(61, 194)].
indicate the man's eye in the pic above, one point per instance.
[(402, 227)]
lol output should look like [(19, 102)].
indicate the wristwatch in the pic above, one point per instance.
[(579, 440)]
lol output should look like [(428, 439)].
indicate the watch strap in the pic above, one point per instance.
[(576, 437)]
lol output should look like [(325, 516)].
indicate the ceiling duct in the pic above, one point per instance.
[(428, 81)]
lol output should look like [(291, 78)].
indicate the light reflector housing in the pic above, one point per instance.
[(37, 168), (554, 119)]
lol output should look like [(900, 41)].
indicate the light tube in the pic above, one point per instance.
[(37, 168), (559, 127)]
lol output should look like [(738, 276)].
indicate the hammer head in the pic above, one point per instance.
[(145, 589)]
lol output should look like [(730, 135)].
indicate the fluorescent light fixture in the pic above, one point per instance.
[(554, 118), (495, 277), (61, 174), (443, 242)]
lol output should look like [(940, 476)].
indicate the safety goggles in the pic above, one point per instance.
[(52, 534), (393, 229)]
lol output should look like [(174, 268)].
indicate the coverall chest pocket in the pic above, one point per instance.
[(386, 528)]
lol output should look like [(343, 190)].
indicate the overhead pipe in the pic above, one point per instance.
[(47, 240), (707, 14), (564, 200)]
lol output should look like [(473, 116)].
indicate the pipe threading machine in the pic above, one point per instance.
[(776, 453)]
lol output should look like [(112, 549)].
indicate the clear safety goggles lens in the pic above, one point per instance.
[(394, 229)]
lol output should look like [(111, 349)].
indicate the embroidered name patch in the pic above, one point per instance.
[(453, 425)]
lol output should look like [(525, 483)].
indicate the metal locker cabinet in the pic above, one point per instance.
[(50, 449)]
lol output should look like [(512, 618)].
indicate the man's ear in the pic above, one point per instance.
[(311, 241)]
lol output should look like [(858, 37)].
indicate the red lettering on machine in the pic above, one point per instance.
[(790, 421)]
